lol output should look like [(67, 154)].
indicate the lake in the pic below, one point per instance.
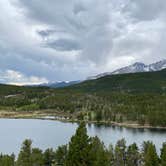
[(48, 133)]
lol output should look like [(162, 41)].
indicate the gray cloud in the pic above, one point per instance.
[(53, 39), (14, 77), (63, 45), (80, 20), (146, 10), (46, 33), (78, 8)]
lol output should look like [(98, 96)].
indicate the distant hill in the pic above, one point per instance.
[(7, 90), (133, 82), (137, 67), (59, 84)]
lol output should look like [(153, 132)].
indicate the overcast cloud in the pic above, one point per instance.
[(55, 40)]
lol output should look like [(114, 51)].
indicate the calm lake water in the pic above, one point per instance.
[(47, 133)]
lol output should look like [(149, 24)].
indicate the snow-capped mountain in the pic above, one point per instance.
[(157, 66), (135, 68), (59, 84)]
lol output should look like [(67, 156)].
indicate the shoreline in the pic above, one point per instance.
[(59, 117)]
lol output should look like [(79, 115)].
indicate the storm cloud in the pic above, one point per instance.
[(50, 40)]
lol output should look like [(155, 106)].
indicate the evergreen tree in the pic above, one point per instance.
[(98, 154), (120, 153), (24, 158), (6, 160), (78, 154), (163, 155), (48, 157), (150, 155), (133, 156), (98, 115), (111, 154), (37, 157), (61, 155)]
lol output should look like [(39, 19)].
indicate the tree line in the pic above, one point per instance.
[(141, 108), (83, 150)]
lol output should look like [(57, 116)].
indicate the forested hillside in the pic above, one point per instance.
[(128, 98), (135, 83)]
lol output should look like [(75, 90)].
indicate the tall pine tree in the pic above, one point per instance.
[(120, 153), (78, 154), (98, 154), (24, 157), (150, 155), (133, 156)]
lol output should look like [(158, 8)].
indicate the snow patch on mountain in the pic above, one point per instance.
[(135, 68)]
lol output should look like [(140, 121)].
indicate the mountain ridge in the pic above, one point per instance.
[(134, 68), (59, 84), (137, 67), (153, 81)]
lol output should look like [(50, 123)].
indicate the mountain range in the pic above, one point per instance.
[(136, 97), (59, 84), (137, 67)]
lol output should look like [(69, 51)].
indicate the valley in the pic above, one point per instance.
[(134, 100)]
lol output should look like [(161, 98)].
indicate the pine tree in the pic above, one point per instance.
[(37, 157), (111, 154), (24, 158), (163, 155), (6, 160), (133, 156), (98, 154), (150, 155), (78, 154), (120, 153), (48, 157), (61, 155)]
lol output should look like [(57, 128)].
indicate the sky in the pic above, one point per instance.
[(63, 40)]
